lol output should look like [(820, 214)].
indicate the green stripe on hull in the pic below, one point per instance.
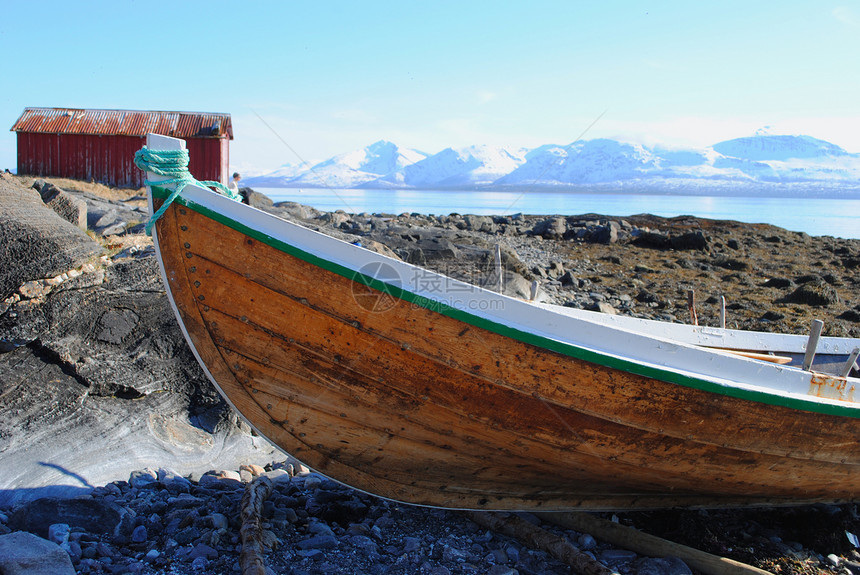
[(517, 334)]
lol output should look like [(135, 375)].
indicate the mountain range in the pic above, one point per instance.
[(755, 162)]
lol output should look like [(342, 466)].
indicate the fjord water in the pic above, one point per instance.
[(817, 216)]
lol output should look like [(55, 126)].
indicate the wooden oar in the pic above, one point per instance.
[(780, 359), (645, 544)]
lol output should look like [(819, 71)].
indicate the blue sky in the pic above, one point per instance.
[(308, 80)]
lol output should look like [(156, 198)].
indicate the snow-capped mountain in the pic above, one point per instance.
[(475, 166), (279, 178), (740, 164), (584, 162), (354, 168), (765, 147)]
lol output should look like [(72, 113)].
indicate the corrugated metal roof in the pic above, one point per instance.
[(124, 123)]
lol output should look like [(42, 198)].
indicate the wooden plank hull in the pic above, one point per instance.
[(406, 402)]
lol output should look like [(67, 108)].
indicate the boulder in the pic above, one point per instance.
[(255, 199), (23, 553), (35, 242), (651, 239), (99, 382), (292, 210), (689, 241), (68, 207), (552, 228), (816, 293), (92, 515)]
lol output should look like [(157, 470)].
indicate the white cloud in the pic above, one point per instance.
[(355, 115), (485, 96), (701, 131), (846, 15)]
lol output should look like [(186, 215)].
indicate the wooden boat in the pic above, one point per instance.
[(416, 387)]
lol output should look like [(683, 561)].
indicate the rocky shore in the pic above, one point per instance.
[(101, 400)]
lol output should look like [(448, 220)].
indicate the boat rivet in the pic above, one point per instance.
[(187, 245), (196, 284), (404, 346), (192, 269), (253, 391), (182, 211), (291, 340), (268, 406), (303, 301), (301, 434), (188, 255), (183, 228), (205, 308), (244, 319), (201, 298), (250, 242)]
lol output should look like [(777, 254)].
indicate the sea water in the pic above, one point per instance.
[(838, 217)]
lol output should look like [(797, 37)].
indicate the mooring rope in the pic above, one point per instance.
[(172, 164)]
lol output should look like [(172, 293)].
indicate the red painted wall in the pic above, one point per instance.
[(110, 159)]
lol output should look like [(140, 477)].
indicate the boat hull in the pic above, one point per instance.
[(409, 403)]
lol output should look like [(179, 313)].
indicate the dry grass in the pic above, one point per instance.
[(101, 190)]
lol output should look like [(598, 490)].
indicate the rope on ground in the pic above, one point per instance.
[(251, 558), (534, 536), (645, 544), (173, 164)]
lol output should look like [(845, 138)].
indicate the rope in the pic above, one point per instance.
[(172, 164)]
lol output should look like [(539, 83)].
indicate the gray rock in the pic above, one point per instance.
[(318, 542), (816, 293), (779, 283), (26, 554), (607, 234), (139, 535), (552, 228), (141, 478), (616, 556), (661, 566), (294, 210), (201, 550), (587, 542), (652, 240), (255, 199), (689, 241), (35, 242), (68, 207), (79, 391), (95, 516), (603, 307), (59, 533)]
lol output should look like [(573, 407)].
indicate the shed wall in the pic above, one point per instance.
[(110, 159)]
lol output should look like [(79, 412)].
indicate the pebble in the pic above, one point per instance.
[(168, 524), (160, 523)]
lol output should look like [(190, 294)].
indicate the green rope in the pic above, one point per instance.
[(172, 164)]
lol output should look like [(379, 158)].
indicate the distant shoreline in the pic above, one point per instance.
[(776, 192)]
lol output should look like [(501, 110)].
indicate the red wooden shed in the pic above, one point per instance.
[(99, 145)]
